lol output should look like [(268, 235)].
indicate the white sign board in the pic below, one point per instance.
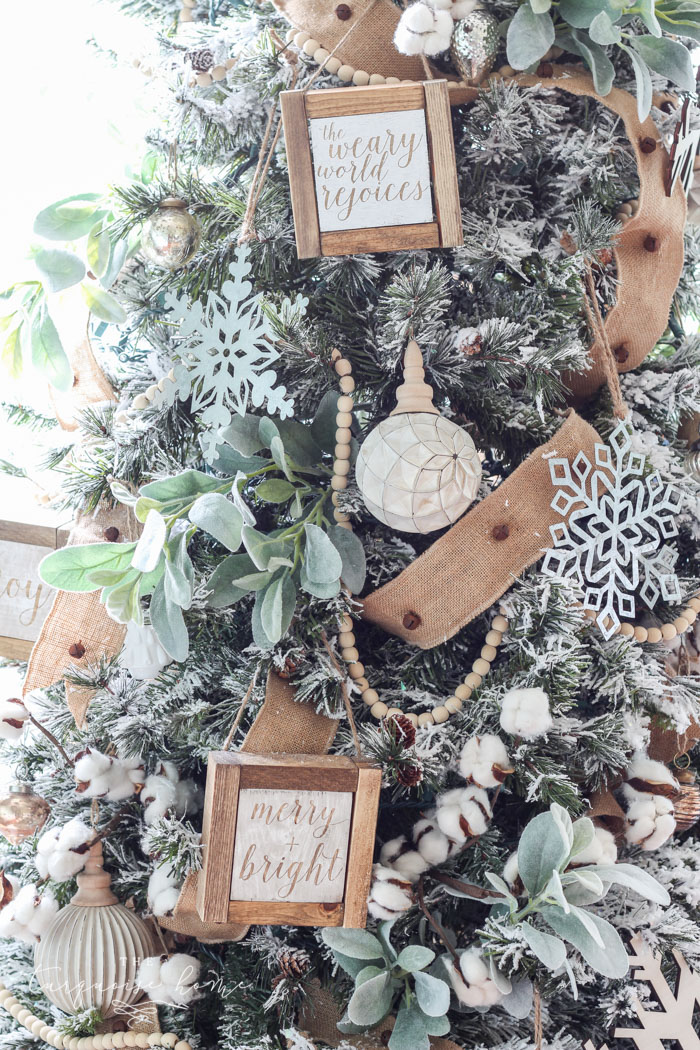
[(291, 845), (371, 170), (25, 599)]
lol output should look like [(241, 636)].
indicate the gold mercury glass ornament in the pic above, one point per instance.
[(686, 801), (474, 46), (417, 471), (22, 813), (171, 236)]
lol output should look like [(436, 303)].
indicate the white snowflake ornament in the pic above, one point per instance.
[(227, 344), (612, 539)]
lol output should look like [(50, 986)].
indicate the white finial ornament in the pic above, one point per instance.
[(417, 471), (143, 656)]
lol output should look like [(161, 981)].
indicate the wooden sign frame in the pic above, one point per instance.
[(433, 98), (230, 772)]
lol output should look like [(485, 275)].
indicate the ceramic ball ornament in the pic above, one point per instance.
[(417, 471), (171, 236), (90, 955)]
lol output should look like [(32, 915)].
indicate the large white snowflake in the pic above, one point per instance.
[(612, 539), (226, 347)]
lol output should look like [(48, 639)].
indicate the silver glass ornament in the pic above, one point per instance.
[(474, 46), (692, 462), (171, 236)]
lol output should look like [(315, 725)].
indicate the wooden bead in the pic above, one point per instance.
[(494, 638), (347, 384), (463, 692), (346, 73), (345, 403), (346, 623), (473, 680), (481, 667), (489, 652), (412, 717), (426, 719), (204, 79), (98, 1042), (343, 520), (309, 46), (23, 1014), (345, 639), (654, 635), (370, 697), (169, 1040), (379, 709), (186, 15), (37, 1027), (44, 1032), (218, 73), (393, 711), (320, 55), (343, 419), (690, 615), (129, 1038), (350, 654), (356, 670), (142, 1040), (393, 80), (694, 603), (5, 994), (140, 402), (441, 714), (499, 623), (16, 1008), (118, 1040), (377, 78), (182, 1045), (668, 631), (343, 367), (343, 435), (229, 63), (333, 65), (72, 1043), (342, 452), (453, 704), (341, 468), (362, 684), (681, 624), (627, 630), (339, 483), (360, 78), (154, 1039), (640, 634)]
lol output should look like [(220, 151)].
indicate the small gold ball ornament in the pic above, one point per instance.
[(686, 802), (22, 813), (417, 471), (171, 236), (474, 46)]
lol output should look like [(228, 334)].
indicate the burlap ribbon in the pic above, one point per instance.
[(90, 384), (281, 727), (472, 565), (79, 617)]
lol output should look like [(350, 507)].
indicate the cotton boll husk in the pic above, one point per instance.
[(483, 760), (649, 771), (476, 809), (13, 715), (432, 843), (525, 713), (602, 850)]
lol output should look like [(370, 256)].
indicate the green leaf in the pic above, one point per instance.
[(299, 443), (550, 951), (368, 972), (529, 37), (352, 555), (68, 219), (603, 31), (580, 13), (47, 353), (278, 454), (371, 1001), (322, 562), (169, 624), (324, 425), (179, 572), (582, 887), (358, 944), (69, 568), (648, 16), (98, 250), (668, 58), (183, 486), (415, 957), (540, 6), (319, 590), (117, 258), (223, 590), (598, 62), (122, 603), (410, 1031), (354, 967), (150, 544), (267, 431), (103, 304), (611, 959), (123, 494), (144, 506), (59, 269), (243, 434), (275, 490), (11, 353), (228, 461), (437, 1025), (542, 850), (262, 548), (433, 995), (645, 89), (634, 878), (218, 516), (278, 605)]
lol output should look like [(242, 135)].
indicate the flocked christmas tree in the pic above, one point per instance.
[(336, 499)]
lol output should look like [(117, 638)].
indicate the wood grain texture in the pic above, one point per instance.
[(218, 834), (15, 648), (362, 832), (444, 163), (382, 239), (276, 914), (301, 174), (342, 102), (301, 779)]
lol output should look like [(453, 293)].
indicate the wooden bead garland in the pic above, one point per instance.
[(666, 632), (110, 1041), (346, 637)]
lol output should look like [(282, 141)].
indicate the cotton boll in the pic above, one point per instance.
[(484, 760), (651, 820), (462, 8), (602, 850), (13, 715), (158, 796), (424, 29), (170, 981), (471, 981), (476, 810), (163, 890), (64, 866), (411, 865), (451, 822), (389, 895), (645, 774), (432, 844), (391, 850), (91, 764), (28, 916), (525, 713), (511, 872)]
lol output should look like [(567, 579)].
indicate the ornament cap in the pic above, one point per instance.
[(172, 202), (414, 394), (94, 882)]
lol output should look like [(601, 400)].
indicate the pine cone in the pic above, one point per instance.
[(409, 775), (201, 59), (402, 729), (293, 962)]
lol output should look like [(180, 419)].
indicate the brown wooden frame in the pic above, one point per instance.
[(431, 96), (227, 773)]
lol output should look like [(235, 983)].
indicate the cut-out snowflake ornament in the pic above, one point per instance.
[(227, 344), (612, 539)]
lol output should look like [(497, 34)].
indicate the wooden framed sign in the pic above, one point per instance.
[(288, 839), (372, 169)]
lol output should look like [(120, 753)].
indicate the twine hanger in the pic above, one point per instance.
[(597, 326)]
